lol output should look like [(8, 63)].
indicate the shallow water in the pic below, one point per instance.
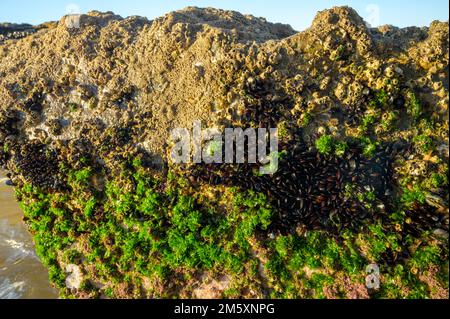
[(21, 273)]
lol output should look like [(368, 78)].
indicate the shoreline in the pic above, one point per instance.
[(21, 273)]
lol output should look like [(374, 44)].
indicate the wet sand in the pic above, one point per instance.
[(21, 273)]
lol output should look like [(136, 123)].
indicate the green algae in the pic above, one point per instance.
[(176, 235)]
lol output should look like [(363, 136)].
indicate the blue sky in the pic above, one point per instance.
[(297, 13)]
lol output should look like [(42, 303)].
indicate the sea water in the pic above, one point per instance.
[(21, 273)]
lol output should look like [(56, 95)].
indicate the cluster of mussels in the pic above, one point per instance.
[(424, 217), (8, 132), (311, 189), (38, 165)]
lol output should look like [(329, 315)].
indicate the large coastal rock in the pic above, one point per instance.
[(362, 113)]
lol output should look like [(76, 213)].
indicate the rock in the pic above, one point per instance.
[(89, 104), (441, 233), (75, 277), (6, 181)]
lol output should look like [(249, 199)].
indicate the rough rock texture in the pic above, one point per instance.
[(362, 114), (160, 74)]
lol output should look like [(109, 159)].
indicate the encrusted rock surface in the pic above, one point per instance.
[(97, 98)]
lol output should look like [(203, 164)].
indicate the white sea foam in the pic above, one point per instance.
[(19, 246), (14, 244)]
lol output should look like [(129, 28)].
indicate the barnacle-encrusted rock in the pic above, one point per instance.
[(83, 106)]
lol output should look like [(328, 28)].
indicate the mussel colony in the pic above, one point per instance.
[(309, 188), (362, 118)]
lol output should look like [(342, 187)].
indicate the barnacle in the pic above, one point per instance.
[(389, 71), (422, 81)]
